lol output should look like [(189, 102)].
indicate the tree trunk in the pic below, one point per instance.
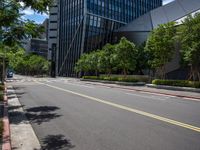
[(194, 74), (109, 72), (125, 72), (96, 73)]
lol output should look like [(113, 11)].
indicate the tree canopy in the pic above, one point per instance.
[(190, 43), (12, 27), (126, 55), (121, 56), (161, 46)]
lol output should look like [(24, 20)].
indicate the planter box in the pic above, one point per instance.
[(176, 88)]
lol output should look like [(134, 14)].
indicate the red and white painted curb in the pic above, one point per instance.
[(192, 98), (6, 124)]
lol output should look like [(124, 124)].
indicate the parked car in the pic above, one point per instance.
[(9, 74)]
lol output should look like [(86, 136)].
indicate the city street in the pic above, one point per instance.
[(70, 114)]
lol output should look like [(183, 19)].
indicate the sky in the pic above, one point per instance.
[(31, 15), (39, 18)]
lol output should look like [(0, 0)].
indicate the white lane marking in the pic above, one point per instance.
[(149, 97), (143, 113), (79, 85)]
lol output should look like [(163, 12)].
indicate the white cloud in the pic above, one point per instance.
[(28, 11)]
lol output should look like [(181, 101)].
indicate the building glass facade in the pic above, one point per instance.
[(87, 25)]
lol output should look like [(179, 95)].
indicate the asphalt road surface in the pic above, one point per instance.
[(67, 114)]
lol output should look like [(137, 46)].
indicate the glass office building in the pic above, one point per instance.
[(86, 25)]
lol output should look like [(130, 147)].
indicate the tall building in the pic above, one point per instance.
[(38, 45), (53, 36), (86, 25)]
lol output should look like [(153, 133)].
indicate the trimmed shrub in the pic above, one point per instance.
[(181, 83), (1, 96), (120, 79), (1, 129), (1, 87)]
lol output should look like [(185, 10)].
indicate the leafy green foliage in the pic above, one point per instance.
[(39, 6), (12, 27), (142, 59), (108, 60), (121, 56), (1, 92), (189, 36), (109, 78), (126, 54), (1, 87), (82, 64), (1, 129), (1, 96), (30, 64), (181, 83), (119, 78), (9, 12), (161, 46)]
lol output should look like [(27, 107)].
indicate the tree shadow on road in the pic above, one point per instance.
[(10, 108), (56, 142), (41, 114), (36, 115), (18, 92)]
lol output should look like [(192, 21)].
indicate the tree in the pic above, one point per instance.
[(93, 61), (82, 64), (161, 46), (126, 53), (142, 59), (107, 58), (13, 28), (89, 62), (190, 43)]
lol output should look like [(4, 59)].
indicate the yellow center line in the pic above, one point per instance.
[(143, 113)]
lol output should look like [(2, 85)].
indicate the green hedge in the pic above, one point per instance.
[(181, 83), (1, 129), (1, 96), (120, 79), (1, 87)]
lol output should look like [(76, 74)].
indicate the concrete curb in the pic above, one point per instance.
[(188, 89), (6, 124), (27, 140), (116, 82)]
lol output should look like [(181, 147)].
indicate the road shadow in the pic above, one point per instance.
[(18, 92), (10, 108), (56, 142), (37, 115), (42, 114)]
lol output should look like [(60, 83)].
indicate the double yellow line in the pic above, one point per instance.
[(143, 113)]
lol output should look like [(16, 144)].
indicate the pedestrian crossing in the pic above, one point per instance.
[(22, 80), (33, 80)]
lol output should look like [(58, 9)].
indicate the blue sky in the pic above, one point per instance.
[(39, 18), (31, 15)]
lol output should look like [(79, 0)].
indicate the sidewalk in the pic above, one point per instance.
[(22, 134), (1, 118), (182, 94)]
